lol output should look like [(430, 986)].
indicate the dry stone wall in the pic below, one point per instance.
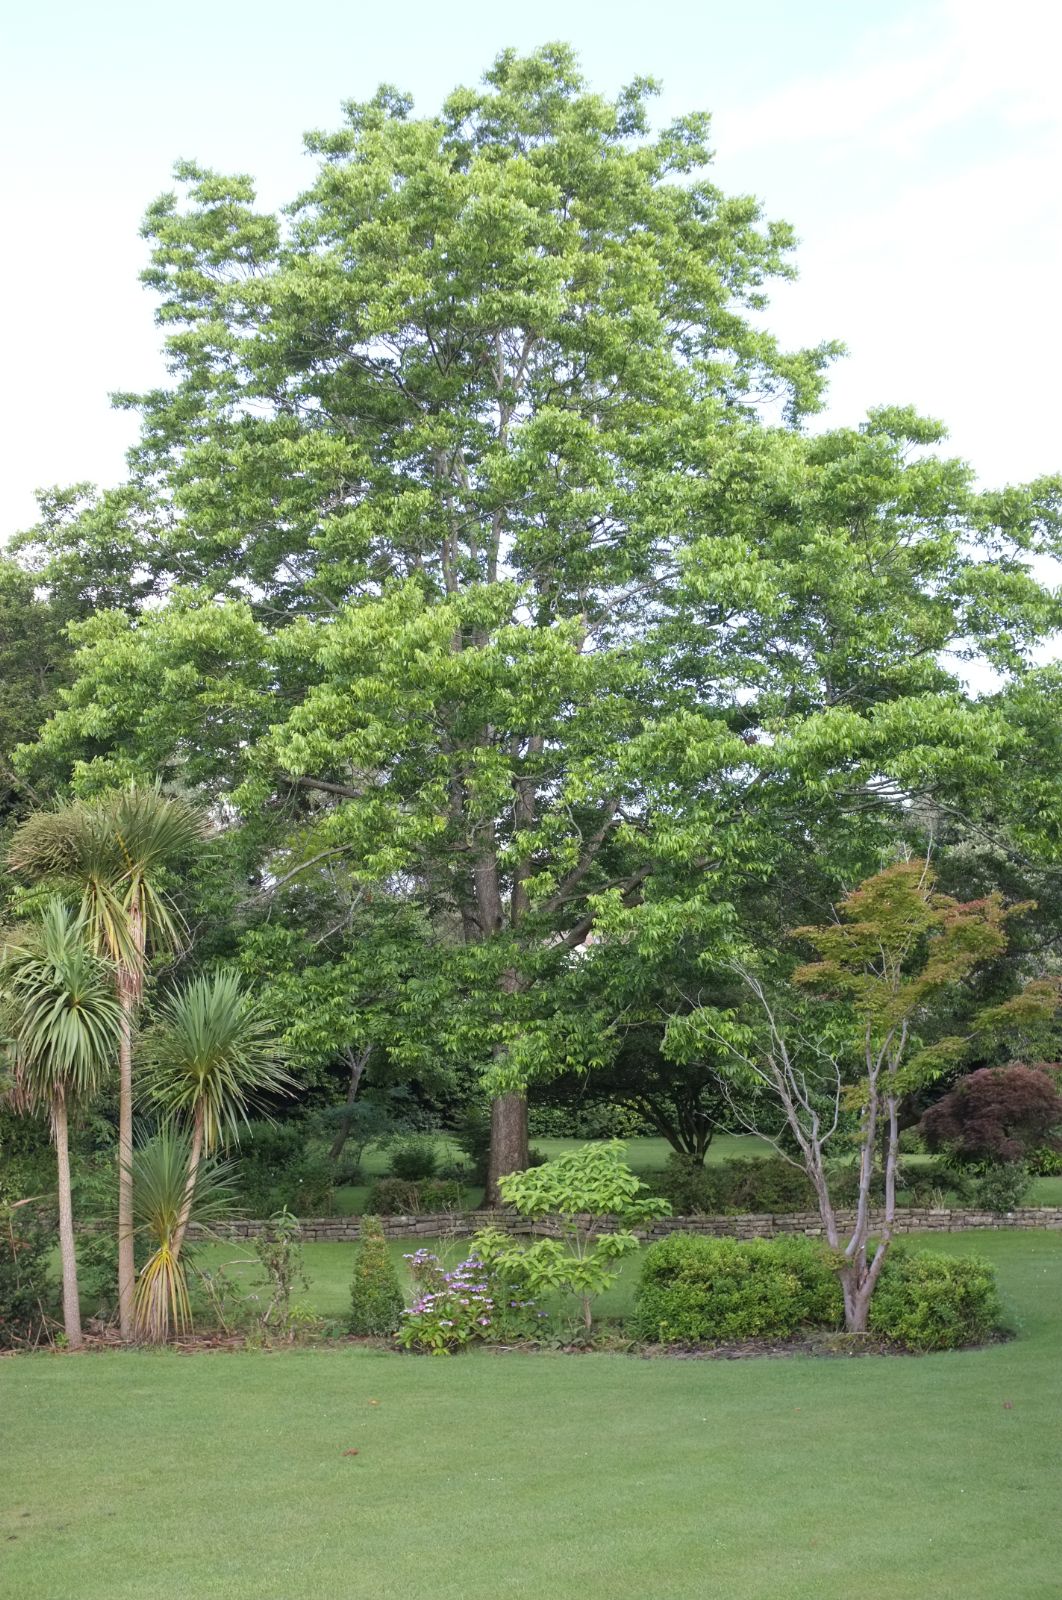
[(757, 1226)]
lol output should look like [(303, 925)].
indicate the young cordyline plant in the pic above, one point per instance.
[(591, 1200)]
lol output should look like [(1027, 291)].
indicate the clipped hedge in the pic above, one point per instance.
[(698, 1290), (927, 1300)]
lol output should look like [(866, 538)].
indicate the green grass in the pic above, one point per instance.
[(222, 1477)]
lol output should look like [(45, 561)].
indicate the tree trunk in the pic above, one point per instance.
[(126, 1258), (68, 1256), (358, 1064), (195, 1155), (508, 1141), (130, 986)]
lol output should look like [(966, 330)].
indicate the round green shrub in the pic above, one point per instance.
[(926, 1300), (697, 1290), (415, 1158), (375, 1297)]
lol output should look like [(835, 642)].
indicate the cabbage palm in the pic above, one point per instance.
[(164, 1203), (64, 1024), (212, 1055), (113, 852)]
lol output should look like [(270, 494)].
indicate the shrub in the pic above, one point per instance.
[(580, 1190), (455, 1309), (394, 1197), (415, 1158), (1001, 1188), (1045, 1162), (472, 1135), (375, 1297), (280, 1169), (996, 1114), (446, 1313), (604, 1120), (746, 1183), (697, 1290), (926, 1300), (26, 1292)]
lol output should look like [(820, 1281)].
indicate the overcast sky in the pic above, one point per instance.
[(916, 147)]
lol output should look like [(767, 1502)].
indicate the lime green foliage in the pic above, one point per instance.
[(693, 1477), (696, 1290), (461, 516), (375, 1297), (580, 1190), (930, 1301)]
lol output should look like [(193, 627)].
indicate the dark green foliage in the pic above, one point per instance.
[(27, 1157), (925, 1300), (595, 1121), (472, 1135), (744, 1184), (696, 1290), (395, 1197), (280, 1169), (375, 1298), (1045, 1162), (415, 1158), (27, 1239), (1002, 1187)]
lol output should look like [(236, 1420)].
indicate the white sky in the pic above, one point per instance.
[(917, 148)]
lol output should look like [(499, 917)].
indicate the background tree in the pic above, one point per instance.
[(497, 566), (57, 1006)]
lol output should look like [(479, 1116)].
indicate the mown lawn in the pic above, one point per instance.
[(223, 1477)]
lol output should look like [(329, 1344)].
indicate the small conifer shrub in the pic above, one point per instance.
[(375, 1297)]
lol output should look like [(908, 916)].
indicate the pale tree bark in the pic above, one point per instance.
[(67, 1252), (800, 1094), (130, 988), (195, 1156)]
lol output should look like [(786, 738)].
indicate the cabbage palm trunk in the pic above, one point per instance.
[(62, 1022), (113, 852)]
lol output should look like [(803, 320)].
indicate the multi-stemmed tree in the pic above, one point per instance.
[(830, 1074)]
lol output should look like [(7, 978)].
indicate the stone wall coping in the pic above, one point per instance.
[(762, 1225)]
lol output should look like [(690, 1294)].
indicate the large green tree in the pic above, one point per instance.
[(499, 568)]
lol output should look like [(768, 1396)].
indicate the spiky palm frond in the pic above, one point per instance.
[(59, 1010), (161, 1175), (111, 851), (212, 1056)]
